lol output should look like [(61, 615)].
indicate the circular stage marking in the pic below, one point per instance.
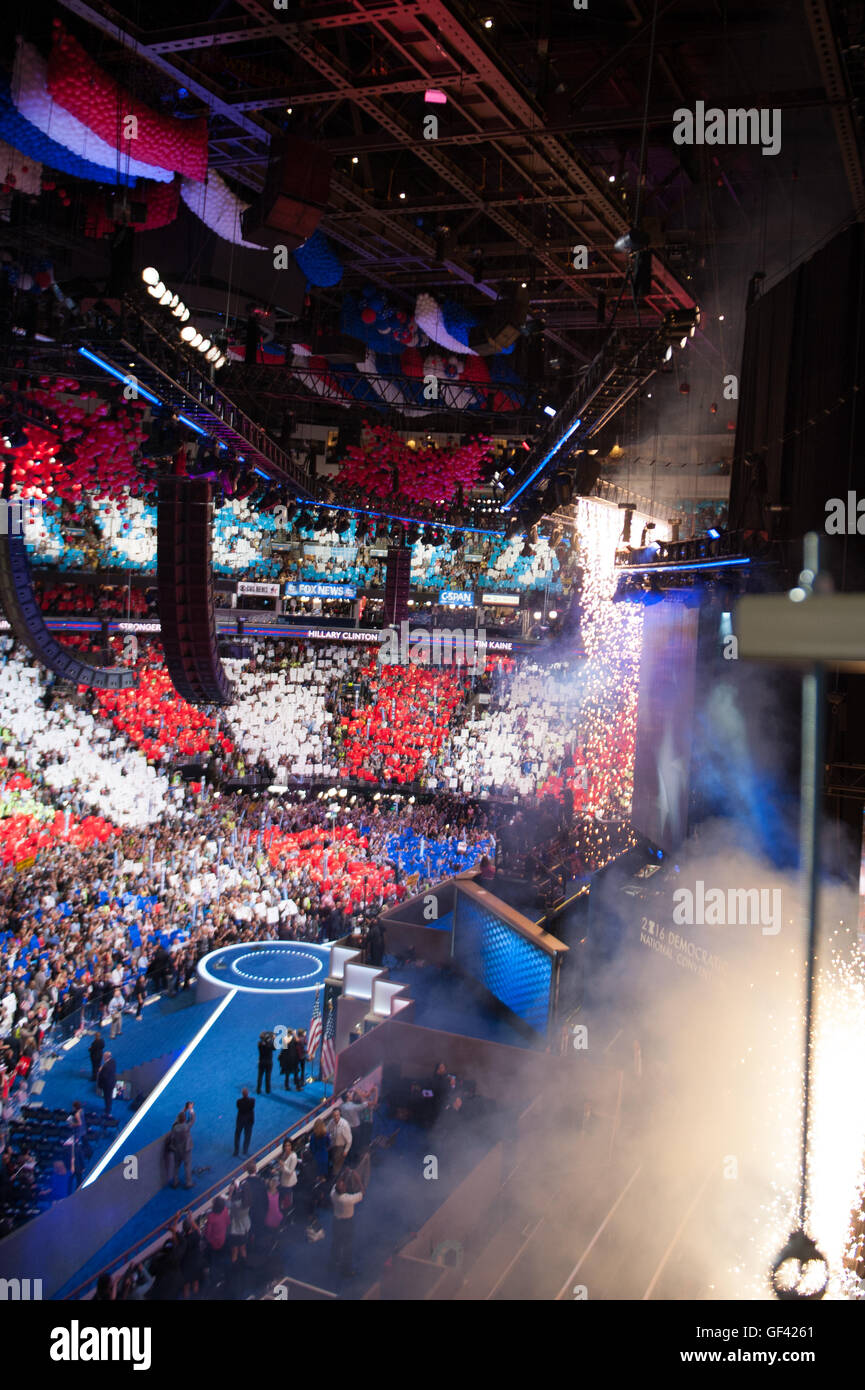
[(267, 967), (277, 974)]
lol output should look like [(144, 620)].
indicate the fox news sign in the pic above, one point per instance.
[(319, 591)]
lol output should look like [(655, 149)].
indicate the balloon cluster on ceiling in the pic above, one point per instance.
[(84, 445), (385, 464), (65, 115), (68, 114), (89, 94)]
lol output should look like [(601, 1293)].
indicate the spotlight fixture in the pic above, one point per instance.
[(150, 275), (354, 159), (488, 22), (631, 241), (157, 290)]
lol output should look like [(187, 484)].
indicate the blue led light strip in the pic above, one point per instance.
[(679, 566), (120, 376), (190, 426), (545, 460)]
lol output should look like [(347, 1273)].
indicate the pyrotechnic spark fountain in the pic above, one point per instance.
[(837, 1129), (609, 681)]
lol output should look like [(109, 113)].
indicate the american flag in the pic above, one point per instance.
[(313, 1037), (328, 1047)]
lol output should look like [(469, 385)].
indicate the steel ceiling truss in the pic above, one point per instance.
[(393, 391), (428, 44), (624, 364), (177, 381)]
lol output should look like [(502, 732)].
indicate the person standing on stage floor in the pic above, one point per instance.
[(287, 1165), (96, 1049), (375, 943), (367, 1117), (352, 1109), (344, 1203), (340, 1140), (106, 1080), (288, 1059), (115, 1013), (300, 1044), (239, 1224), (139, 994), (255, 1200), (319, 1146), (265, 1061), (245, 1121), (180, 1146)]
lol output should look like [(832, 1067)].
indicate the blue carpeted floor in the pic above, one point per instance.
[(166, 1027), (400, 1199), (212, 1076)]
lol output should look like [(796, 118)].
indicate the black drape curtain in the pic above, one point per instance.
[(800, 422)]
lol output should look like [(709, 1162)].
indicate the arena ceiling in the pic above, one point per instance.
[(552, 137)]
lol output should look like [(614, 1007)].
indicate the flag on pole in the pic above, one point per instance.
[(328, 1047), (313, 1037)]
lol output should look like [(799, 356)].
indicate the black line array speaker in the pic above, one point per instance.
[(587, 472), (396, 585), (295, 194), (186, 612), (26, 621), (502, 326)]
